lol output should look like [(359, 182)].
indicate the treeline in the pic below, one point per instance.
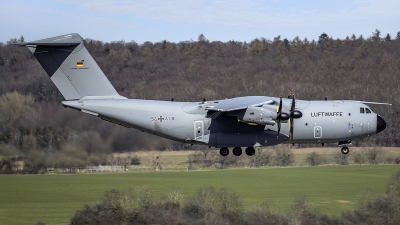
[(282, 155), (357, 67), (35, 137), (223, 206)]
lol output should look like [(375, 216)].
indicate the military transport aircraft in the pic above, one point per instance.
[(247, 122)]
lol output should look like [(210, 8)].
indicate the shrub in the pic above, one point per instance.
[(358, 157), (135, 160), (374, 155), (364, 199), (262, 157), (340, 158), (315, 159), (283, 156)]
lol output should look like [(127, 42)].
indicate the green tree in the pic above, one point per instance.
[(13, 109), (364, 199), (258, 47), (363, 51), (202, 38), (388, 38), (376, 36), (300, 205), (287, 44), (394, 185), (322, 38)]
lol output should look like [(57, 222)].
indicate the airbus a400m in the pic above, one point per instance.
[(242, 122)]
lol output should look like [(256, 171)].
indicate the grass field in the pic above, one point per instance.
[(53, 198), (177, 160)]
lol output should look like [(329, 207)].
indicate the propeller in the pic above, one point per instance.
[(294, 114), (291, 121)]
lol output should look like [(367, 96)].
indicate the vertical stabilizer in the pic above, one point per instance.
[(70, 66)]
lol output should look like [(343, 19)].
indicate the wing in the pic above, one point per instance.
[(374, 103), (240, 103)]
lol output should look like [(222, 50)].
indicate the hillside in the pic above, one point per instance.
[(32, 122)]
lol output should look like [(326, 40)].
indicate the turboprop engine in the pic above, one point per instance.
[(265, 115)]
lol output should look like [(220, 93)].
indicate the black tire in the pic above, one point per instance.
[(250, 151), (224, 151), (237, 151), (345, 150)]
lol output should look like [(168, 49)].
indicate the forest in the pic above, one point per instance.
[(35, 127)]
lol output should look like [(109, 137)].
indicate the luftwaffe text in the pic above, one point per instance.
[(321, 114)]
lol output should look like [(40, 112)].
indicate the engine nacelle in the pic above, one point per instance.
[(258, 115)]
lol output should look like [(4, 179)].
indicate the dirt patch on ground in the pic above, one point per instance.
[(345, 202)]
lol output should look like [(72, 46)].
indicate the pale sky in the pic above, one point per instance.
[(218, 20)]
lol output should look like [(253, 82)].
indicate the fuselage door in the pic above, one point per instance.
[(317, 132), (361, 127), (198, 130)]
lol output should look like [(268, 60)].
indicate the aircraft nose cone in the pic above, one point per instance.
[(381, 124)]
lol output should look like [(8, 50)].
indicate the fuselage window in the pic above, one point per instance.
[(367, 110), (361, 110)]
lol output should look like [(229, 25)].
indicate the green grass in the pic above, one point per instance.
[(27, 199)]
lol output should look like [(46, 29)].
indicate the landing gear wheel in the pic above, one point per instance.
[(345, 150), (224, 151), (250, 151), (237, 151)]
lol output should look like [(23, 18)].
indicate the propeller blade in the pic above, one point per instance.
[(291, 121), (279, 112), (290, 129)]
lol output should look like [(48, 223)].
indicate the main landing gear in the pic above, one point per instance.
[(237, 151), (224, 151)]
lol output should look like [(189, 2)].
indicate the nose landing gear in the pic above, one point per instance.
[(344, 144)]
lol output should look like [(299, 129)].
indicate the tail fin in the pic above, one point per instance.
[(71, 67)]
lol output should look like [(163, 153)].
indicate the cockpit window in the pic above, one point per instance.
[(361, 110), (367, 110)]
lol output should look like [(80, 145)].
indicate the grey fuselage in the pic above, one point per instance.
[(322, 121)]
